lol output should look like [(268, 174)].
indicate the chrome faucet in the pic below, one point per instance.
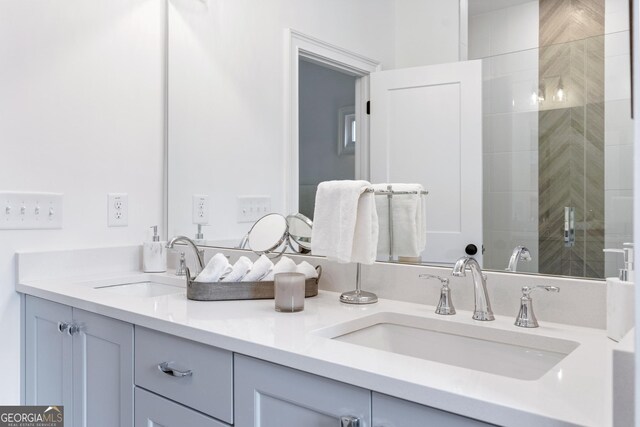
[(189, 242), (526, 318), (445, 305), (520, 253), (482, 309)]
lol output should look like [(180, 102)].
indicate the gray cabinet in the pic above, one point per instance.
[(48, 355), (81, 360), (393, 412), (155, 411), (193, 374), (269, 395), (102, 371)]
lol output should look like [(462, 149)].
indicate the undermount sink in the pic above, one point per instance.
[(142, 289), (514, 354)]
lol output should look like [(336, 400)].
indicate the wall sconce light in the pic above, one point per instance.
[(542, 93), (560, 95)]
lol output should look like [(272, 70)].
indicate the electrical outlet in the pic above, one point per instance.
[(117, 210), (30, 211), (200, 209), (252, 208)]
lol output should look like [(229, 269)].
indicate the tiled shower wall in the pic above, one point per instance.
[(571, 136), (508, 41)]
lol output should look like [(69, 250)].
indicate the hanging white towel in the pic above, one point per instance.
[(240, 268), (307, 269), (285, 265), (217, 267), (260, 268), (345, 222), (409, 221)]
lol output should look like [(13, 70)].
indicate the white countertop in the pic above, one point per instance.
[(577, 391)]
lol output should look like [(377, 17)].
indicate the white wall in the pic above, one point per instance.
[(507, 39), (81, 113), (618, 128), (322, 93), (427, 32), (226, 118), (636, 192)]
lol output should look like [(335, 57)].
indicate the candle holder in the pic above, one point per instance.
[(289, 292)]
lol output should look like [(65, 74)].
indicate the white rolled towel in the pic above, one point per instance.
[(285, 265), (217, 267), (260, 268), (307, 269), (240, 269)]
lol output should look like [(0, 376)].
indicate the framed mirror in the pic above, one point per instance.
[(537, 153)]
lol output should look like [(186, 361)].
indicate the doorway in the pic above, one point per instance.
[(327, 129), (308, 53)]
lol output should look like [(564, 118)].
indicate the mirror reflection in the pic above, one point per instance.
[(511, 114)]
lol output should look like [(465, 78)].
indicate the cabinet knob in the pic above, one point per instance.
[(349, 421), (63, 327), (73, 329), (167, 369)]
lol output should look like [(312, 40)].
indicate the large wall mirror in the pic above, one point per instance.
[(514, 115)]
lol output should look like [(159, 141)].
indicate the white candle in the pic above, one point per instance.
[(289, 292)]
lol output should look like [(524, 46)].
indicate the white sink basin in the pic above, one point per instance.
[(514, 354), (142, 289)]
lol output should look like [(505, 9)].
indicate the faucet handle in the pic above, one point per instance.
[(526, 317), (526, 290), (445, 305), (443, 280)]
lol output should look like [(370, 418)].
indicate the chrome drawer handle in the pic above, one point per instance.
[(164, 367), (349, 421)]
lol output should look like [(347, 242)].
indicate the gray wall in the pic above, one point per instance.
[(322, 93)]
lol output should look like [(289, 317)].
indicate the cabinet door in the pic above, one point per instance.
[(393, 412), (48, 360), (269, 395), (155, 411), (102, 371)]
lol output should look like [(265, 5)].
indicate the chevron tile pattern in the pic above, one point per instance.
[(563, 21), (571, 135)]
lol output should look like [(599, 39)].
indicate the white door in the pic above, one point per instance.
[(426, 127)]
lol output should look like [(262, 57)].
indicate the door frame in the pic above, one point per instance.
[(297, 46)]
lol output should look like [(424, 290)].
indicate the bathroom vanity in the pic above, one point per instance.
[(120, 347)]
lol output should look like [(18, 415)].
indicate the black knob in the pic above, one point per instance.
[(471, 249)]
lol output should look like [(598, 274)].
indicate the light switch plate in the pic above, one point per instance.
[(117, 209), (30, 211), (252, 208), (200, 209)]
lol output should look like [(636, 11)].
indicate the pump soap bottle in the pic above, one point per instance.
[(154, 254), (620, 296)]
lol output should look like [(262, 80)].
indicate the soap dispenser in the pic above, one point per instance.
[(620, 296), (154, 254)]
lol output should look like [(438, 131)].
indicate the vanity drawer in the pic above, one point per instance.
[(196, 375), (153, 410)]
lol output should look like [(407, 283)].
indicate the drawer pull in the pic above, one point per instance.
[(164, 367)]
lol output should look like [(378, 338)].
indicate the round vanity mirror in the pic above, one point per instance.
[(268, 233), (300, 231)]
